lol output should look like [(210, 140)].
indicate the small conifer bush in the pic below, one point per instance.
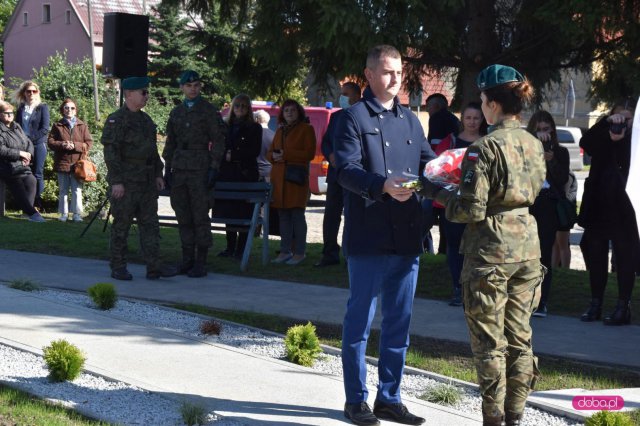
[(302, 345), (210, 327), (64, 360), (443, 393), (103, 295), (24, 285), (193, 414), (609, 418)]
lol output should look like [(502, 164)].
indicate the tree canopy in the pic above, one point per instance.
[(541, 38)]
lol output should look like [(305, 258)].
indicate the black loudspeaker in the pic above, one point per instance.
[(125, 45)]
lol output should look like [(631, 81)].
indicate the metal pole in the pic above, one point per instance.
[(96, 100)]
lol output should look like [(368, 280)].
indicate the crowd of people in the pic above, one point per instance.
[(505, 226)]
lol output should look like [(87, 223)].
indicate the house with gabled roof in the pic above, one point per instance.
[(38, 29)]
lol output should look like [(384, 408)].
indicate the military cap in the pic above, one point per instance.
[(495, 75), (134, 83), (189, 76)]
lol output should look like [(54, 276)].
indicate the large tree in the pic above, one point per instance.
[(539, 37)]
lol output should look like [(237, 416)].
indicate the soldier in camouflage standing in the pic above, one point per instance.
[(135, 177), (192, 154), (502, 174)]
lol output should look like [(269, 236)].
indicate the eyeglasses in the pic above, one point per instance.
[(31, 91), (243, 106), (7, 112), (69, 108)]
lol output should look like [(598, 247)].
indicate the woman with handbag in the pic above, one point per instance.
[(239, 164), (70, 141), (16, 152), (33, 117), (293, 147), (546, 209)]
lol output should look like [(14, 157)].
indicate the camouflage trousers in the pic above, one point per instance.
[(190, 201), (498, 302), (141, 202)]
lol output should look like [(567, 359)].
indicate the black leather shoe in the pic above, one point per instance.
[(162, 272), (396, 413), (360, 414), (326, 262), (621, 315), (594, 312), (121, 274)]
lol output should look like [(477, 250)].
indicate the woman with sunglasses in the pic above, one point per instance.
[(33, 117), (16, 152), (69, 140)]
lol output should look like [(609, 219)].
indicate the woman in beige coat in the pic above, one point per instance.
[(293, 147)]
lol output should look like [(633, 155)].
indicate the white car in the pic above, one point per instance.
[(569, 137)]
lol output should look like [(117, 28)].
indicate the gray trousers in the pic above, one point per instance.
[(293, 230)]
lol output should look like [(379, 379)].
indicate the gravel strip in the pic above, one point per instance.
[(115, 399)]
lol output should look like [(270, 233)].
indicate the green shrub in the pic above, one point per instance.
[(609, 418), (443, 393), (193, 414), (24, 284), (64, 360), (635, 417), (104, 295), (302, 344)]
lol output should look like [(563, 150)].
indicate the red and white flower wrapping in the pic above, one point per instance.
[(445, 170)]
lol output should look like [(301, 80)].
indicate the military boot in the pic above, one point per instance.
[(512, 419), (200, 266), (492, 420), (188, 259)]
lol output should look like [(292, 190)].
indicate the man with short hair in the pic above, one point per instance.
[(350, 94), (262, 117), (135, 177), (192, 153), (378, 143)]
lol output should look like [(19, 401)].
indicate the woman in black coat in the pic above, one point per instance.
[(16, 152), (606, 214), (33, 117), (239, 164)]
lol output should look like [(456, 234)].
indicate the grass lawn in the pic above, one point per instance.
[(570, 289), (20, 408), (447, 358)]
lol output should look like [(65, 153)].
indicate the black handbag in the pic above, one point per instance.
[(296, 173)]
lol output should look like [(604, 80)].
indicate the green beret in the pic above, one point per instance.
[(189, 76), (134, 83), (495, 75)]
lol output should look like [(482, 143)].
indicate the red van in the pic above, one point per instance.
[(319, 119)]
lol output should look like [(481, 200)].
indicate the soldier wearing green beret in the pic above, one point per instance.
[(502, 173), (135, 177), (194, 148)]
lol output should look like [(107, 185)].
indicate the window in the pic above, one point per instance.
[(46, 13), (25, 19), (68, 17)]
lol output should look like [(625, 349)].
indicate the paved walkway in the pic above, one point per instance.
[(30, 321)]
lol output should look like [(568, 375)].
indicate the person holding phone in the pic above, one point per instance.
[(545, 208)]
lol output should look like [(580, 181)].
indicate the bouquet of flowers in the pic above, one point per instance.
[(445, 170)]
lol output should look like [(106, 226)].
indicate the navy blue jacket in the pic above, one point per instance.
[(327, 143), (370, 145), (38, 124)]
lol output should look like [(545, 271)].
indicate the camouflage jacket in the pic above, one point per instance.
[(502, 174), (130, 149), (196, 137)]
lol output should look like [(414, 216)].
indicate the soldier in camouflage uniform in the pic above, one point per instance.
[(195, 144), (135, 177), (502, 174)]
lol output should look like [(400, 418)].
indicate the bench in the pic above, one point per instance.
[(256, 193), (2, 193)]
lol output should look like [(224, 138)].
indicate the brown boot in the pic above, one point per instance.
[(200, 265), (492, 420), (512, 419)]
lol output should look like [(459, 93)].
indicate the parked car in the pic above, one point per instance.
[(319, 119), (569, 137)]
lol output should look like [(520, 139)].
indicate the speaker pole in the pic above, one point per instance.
[(96, 101)]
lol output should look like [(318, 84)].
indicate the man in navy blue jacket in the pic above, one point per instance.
[(351, 93), (378, 143)]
